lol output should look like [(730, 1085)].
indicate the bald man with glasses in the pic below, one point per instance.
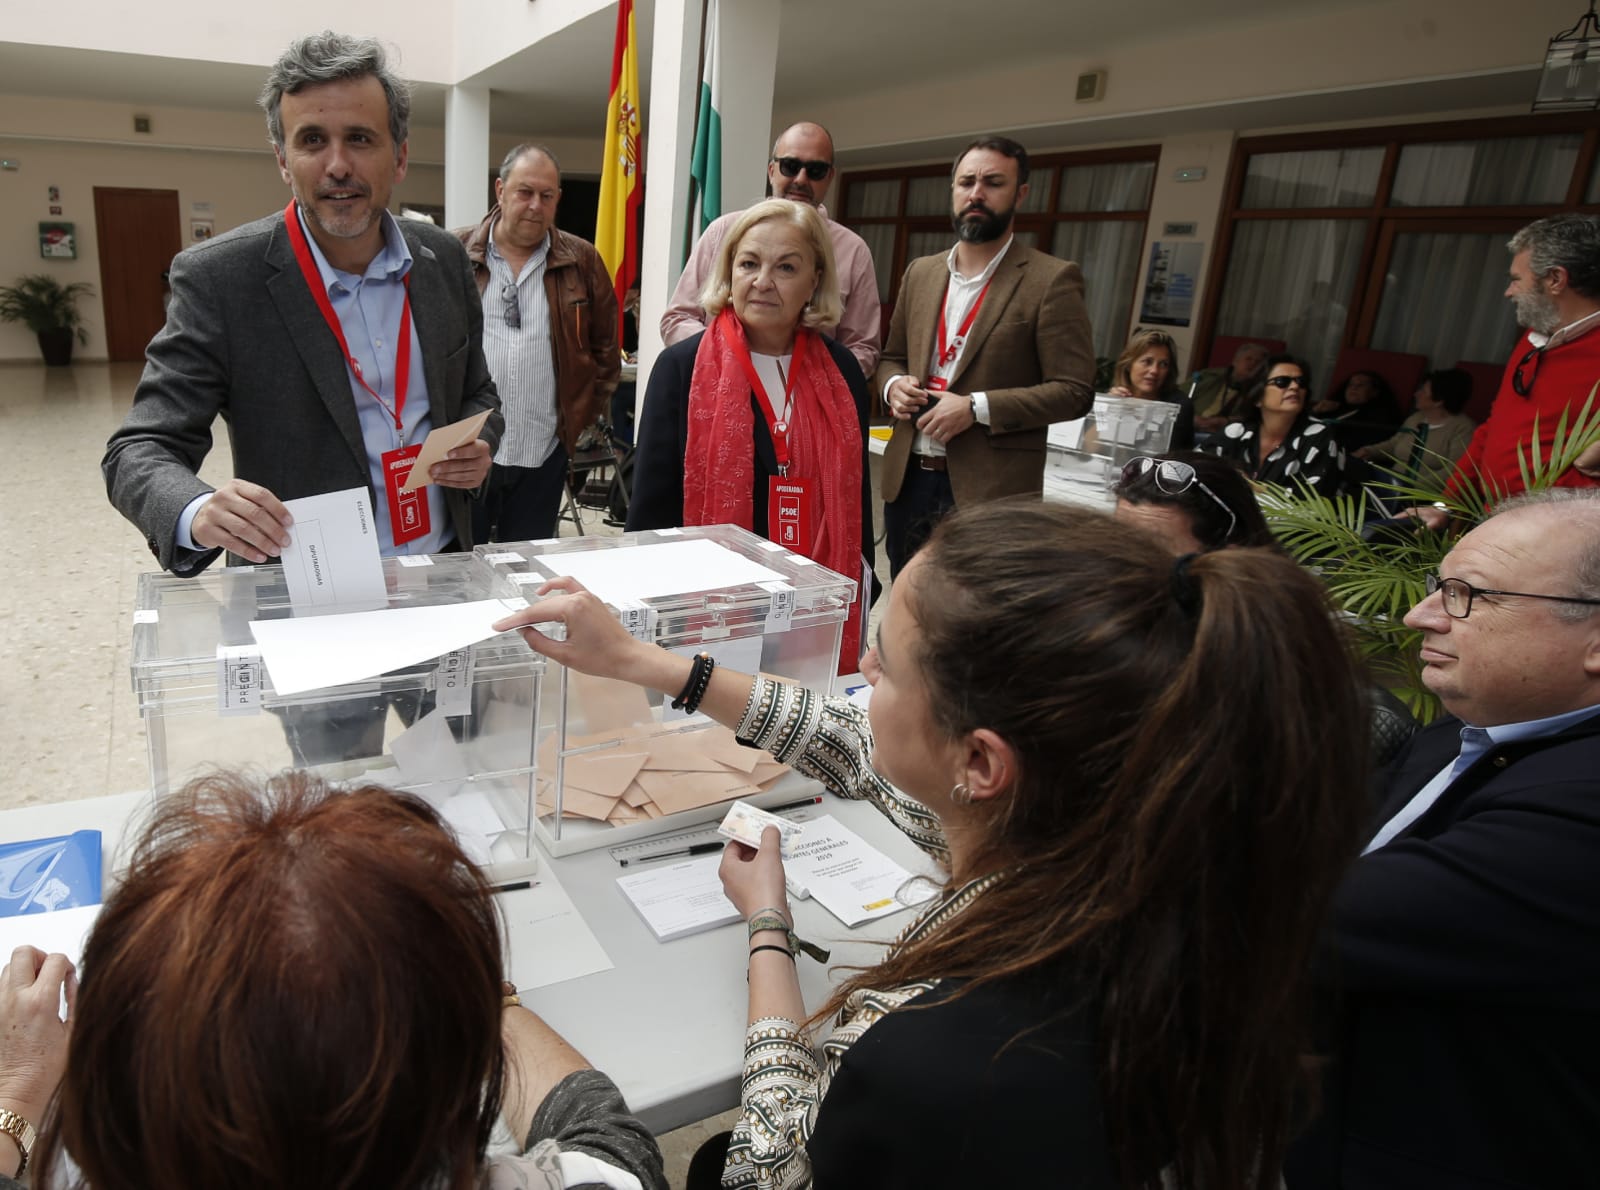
[(801, 170), (1464, 948)]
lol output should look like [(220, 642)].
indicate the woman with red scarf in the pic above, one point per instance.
[(761, 421)]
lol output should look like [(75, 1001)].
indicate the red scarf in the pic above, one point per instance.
[(719, 474)]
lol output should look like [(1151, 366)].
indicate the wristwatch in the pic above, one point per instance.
[(19, 1130)]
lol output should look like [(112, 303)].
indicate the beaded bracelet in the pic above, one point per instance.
[(694, 689)]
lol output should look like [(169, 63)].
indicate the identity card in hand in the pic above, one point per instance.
[(745, 823)]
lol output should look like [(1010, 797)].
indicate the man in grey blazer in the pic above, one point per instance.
[(331, 337), (987, 346)]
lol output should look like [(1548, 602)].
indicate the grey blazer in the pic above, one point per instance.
[(244, 339)]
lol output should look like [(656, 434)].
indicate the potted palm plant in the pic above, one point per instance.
[(1376, 578), (50, 310)]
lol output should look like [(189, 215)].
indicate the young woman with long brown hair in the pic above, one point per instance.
[(1109, 990)]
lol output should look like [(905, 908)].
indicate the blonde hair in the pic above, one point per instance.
[(825, 307)]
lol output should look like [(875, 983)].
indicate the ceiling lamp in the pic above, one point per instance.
[(1571, 78)]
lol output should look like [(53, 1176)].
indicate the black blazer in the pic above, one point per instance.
[(657, 498), (1465, 958)]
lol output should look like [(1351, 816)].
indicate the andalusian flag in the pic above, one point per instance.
[(706, 166), (616, 222)]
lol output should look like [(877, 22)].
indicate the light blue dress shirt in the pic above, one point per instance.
[(1475, 741), (368, 307)]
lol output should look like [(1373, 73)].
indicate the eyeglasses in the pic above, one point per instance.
[(1175, 478), (790, 167), (512, 308), (1286, 381), (1523, 387), (1458, 595)]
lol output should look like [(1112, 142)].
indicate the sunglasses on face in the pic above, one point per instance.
[(1175, 478), (790, 167), (1287, 381)]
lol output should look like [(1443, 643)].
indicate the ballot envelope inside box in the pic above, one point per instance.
[(457, 729), (615, 763)]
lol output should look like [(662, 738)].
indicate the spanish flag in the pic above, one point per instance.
[(616, 223)]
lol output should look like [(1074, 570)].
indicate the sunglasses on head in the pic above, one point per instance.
[(790, 167), (1175, 478), (1286, 381)]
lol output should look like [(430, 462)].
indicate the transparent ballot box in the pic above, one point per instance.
[(456, 729), (1086, 456), (616, 763)]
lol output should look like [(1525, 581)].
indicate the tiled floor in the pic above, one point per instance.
[(72, 726)]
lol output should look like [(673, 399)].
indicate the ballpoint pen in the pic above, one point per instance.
[(697, 849)]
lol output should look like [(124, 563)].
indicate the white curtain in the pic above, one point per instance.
[(880, 240), (1109, 252), (1293, 279), (875, 200), (1118, 186), (928, 196), (1505, 171), (1442, 299), (1318, 178)]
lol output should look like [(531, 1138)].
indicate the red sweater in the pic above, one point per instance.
[(1565, 377)]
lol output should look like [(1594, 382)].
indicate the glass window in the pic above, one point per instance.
[(1442, 298), (928, 196), (1039, 183), (1510, 170), (928, 243), (1593, 193), (1117, 186), (874, 200), (1108, 251), (1318, 178), (1293, 279), (879, 238)]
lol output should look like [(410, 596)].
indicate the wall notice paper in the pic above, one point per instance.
[(439, 443), (848, 877), (319, 651), (550, 941), (332, 560), (680, 899), (650, 571)]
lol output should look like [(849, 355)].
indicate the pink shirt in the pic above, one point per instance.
[(858, 331)]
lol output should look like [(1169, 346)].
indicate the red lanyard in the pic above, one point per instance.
[(949, 351), (778, 425), (319, 291)]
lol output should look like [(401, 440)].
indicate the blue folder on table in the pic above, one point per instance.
[(41, 875)]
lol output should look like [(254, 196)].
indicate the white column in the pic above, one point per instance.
[(749, 35), (466, 155), (749, 63)]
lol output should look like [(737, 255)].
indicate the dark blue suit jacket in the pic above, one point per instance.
[(1465, 958)]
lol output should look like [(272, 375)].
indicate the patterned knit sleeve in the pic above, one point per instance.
[(778, 1095), (830, 740)]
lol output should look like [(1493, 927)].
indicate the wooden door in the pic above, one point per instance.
[(139, 233)]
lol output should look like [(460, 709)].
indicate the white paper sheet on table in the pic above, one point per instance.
[(318, 651), (551, 943), (648, 571), (62, 932), (332, 560)]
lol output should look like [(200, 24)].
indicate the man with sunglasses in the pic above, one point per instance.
[(1465, 943), (550, 336), (801, 170), (1555, 288)]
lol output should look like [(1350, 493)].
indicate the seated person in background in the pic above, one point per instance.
[(1192, 502), (1148, 368), (299, 987), (1278, 442), (1065, 752), (1218, 394), (1424, 452), (760, 397), (1364, 409)]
